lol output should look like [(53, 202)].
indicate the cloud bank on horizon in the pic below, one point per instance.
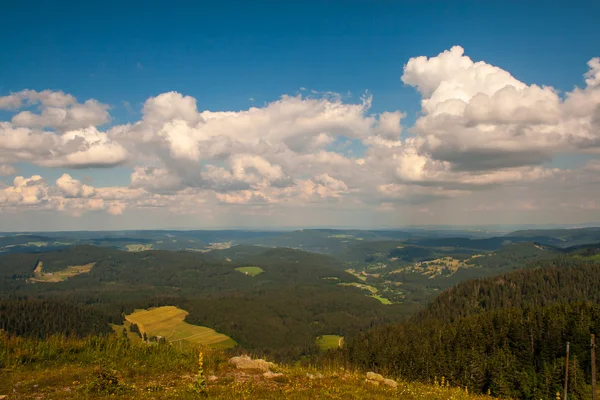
[(482, 142)]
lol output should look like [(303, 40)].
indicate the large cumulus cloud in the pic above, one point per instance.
[(480, 130), (478, 116)]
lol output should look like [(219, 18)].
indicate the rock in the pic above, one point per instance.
[(375, 377), (212, 378), (375, 383), (391, 383), (270, 374), (245, 362)]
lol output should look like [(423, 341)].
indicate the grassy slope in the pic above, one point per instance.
[(327, 342), (168, 322), (94, 368), (59, 276), (252, 271)]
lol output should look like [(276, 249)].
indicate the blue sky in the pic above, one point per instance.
[(224, 53), (232, 55)]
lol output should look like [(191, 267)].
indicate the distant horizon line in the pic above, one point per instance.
[(486, 227)]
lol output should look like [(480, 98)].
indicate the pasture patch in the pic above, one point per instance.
[(443, 266), (58, 276), (252, 271), (327, 342), (168, 322), (138, 247), (371, 289)]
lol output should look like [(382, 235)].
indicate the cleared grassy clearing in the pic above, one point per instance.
[(371, 289), (440, 266), (383, 300), (59, 276), (219, 246), (168, 322), (139, 247), (252, 271), (327, 342), (359, 275)]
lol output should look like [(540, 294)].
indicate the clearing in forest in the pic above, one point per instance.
[(138, 247), (252, 271), (58, 276), (327, 342), (443, 266), (371, 289), (168, 322)]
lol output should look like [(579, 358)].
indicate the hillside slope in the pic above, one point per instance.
[(505, 334)]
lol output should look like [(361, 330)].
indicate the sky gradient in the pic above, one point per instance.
[(271, 114)]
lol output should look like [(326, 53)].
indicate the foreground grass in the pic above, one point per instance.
[(100, 367)]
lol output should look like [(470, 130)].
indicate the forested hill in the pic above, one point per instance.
[(562, 279), (505, 334), (293, 297)]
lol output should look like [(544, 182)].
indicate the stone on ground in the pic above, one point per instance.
[(245, 362)]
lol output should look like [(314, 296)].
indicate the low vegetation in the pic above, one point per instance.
[(115, 367)]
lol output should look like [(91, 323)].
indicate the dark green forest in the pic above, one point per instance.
[(279, 312), (505, 334)]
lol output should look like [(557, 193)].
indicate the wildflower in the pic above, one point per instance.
[(199, 384)]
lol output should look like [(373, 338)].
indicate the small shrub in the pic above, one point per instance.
[(106, 381)]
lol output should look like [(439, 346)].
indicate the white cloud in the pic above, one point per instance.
[(82, 148), (59, 110), (25, 191), (6, 170), (78, 116), (481, 131), (592, 77), (71, 187), (477, 116), (46, 98)]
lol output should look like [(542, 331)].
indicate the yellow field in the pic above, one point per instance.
[(360, 275), (59, 276), (168, 322)]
